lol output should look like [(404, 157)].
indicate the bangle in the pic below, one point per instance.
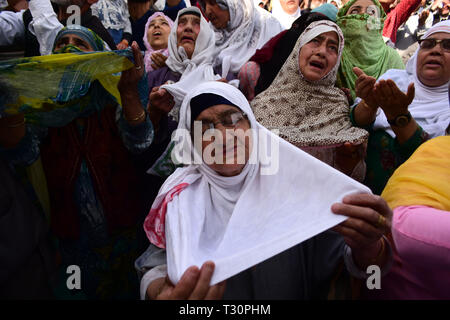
[(137, 118), (16, 124)]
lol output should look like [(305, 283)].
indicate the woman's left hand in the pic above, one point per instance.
[(130, 78), (392, 100), (369, 218)]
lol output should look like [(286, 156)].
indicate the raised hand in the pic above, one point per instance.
[(392, 100), (130, 78), (160, 101), (364, 88), (159, 60)]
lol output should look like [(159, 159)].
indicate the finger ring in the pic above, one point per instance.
[(381, 223), (138, 68)]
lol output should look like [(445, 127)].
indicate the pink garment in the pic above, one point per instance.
[(150, 50), (421, 268)]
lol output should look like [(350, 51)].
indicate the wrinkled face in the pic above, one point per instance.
[(433, 65), (289, 6), (158, 33), (364, 6), (216, 15), (318, 57), (187, 32), (73, 40), (226, 148)]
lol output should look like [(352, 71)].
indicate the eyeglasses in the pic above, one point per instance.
[(430, 43), (229, 121)]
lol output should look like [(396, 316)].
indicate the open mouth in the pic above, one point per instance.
[(317, 64), (157, 33), (433, 63), (187, 38)]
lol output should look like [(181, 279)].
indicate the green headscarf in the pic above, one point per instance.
[(364, 46)]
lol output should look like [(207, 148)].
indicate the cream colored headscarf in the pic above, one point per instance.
[(308, 114)]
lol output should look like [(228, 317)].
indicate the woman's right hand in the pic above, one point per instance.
[(365, 88), (159, 60), (160, 101), (193, 285)]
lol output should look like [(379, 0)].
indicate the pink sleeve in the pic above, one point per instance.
[(398, 16), (422, 236)]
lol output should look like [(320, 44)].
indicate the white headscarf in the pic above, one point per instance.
[(240, 221), (195, 70), (285, 18), (249, 29), (430, 107)]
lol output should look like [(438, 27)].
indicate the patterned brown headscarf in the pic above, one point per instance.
[(308, 113)]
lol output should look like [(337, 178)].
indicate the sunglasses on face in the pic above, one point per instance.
[(430, 43)]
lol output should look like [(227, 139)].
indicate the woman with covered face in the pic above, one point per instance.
[(241, 29), (207, 203), (305, 106), (414, 106), (95, 192), (156, 39), (361, 22)]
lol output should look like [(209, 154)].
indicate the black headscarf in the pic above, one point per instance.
[(283, 49)]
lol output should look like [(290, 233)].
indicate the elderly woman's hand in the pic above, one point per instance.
[(193, 285), (392, 100), (369, 218), (160, 103), (130, 78), (364, 88), (159, 60), (133, 110)]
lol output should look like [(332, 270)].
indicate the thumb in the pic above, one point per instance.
[(358, 71), (410, 93)]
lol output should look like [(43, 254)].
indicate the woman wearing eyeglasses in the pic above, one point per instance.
[(414, 104)]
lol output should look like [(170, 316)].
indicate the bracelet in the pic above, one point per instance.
[(137, 118), (17, 124)]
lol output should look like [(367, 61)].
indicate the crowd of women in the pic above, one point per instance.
[(90, 142)]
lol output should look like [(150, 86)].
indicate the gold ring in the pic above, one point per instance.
[(381, 223)]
